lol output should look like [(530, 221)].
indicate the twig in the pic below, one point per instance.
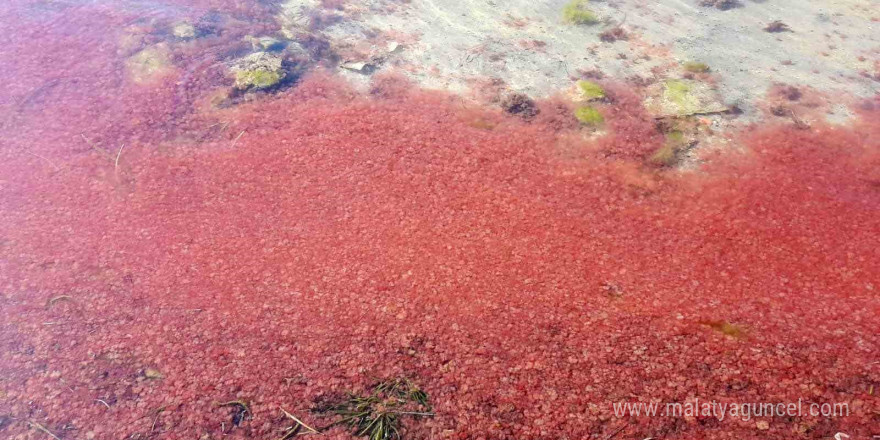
[(58, 298), (706, 113), (96, 148), (614, 434), (237, 138), (156, 419), (47, 160), (289, 415), (116, 162), (105, 403), (43, 429)]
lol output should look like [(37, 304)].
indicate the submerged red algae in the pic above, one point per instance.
[(322, 240)]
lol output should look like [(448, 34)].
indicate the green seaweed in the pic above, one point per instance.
[(377, 416), (695, 67), (589, 116), (576, 12), (591, 90)]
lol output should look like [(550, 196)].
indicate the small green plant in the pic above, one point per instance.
[(377, 416), (590, 90), (589, 116), (695, 67), (576, 12)]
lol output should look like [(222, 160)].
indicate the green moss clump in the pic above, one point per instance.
[(256, 79), (589, 116), (576, 12), (695, 67), (591, 90)]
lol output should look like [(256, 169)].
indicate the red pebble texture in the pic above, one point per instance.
[(314, 241)]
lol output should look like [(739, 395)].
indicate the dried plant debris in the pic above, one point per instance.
[(378, 415), (695, 67), (733, 330), (777, 26), (792, 93), (723, 5), (241, 411), (299, 427), (520, 105), (616, 33)]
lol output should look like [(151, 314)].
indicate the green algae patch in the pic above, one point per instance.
[(590, 90), (149, 64), (256, 79), (576, 12), (695, 67), (683, 97), (258, 71), (678, 93), (589, 116)]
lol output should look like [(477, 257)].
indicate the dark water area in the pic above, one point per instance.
[(171, 244)]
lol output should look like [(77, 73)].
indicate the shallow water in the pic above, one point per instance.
[(179, 233)]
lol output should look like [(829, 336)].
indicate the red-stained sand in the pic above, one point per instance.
[(321, 240)]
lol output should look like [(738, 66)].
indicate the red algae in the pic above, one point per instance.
[(312, 242)]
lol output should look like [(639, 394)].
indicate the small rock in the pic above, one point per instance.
[(762, 425), (152, 373), (358, 66), (184, 30), (257, 71), (265, 44), (149, 64)]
